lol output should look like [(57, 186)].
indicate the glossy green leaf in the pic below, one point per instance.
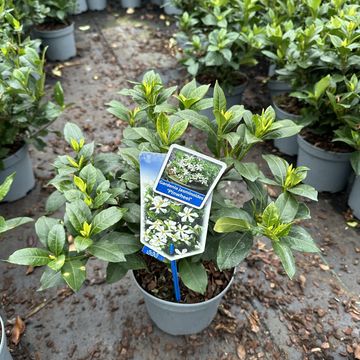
[(193, 275)]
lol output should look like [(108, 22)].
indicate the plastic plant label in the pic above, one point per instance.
[(188, 176), (165, 221)]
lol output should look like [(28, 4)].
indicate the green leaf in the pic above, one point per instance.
[(57, 263), (248, 171), (56, 239), (304, 190), (163, 127), (133, 213), (30, 256), (89, 175), (5, 186), (178, 130), (271, 215), (278, 167), (81, 243), (42, 227), (59, 94), (193, 275), (78, 212), (107, 250), (323, 84), (201, 122), (126, 243), (233, 249), (219, 98), (13, 223), (228, 224), (74, 274), (72, 131), (286, 258), (288, 207), (300, 240), (55, 201), (106, 218), (50, 278), (115, 272)]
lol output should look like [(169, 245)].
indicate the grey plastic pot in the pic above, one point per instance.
[(24, 181), (96, 5), (354, 198), (232, 98), (171, 9), (4, 351), (80, 7), (289, 145), (157, 2), (130, 3), (329, 171), (61, 43), (277, 87), (181, 319)]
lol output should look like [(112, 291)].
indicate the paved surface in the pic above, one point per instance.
[(264, 316)]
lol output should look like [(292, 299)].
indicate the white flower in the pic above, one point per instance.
[(197, 245), (163, 233), (170, 224), (157, 242), (147, 235), (154, 224), (188, 215), (160, 204), (148, 198), (181, 252), (184, 231)]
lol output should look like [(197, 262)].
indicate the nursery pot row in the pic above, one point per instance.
[(84, 5), (24, 181), (277, 87), (181, 319), (4, 352)]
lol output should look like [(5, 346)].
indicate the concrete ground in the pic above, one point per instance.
[(264, 315)]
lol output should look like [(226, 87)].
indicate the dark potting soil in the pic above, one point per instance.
[(157, 281), (237, 79), (324, 141), (52, 26), (12, 149), (288, 103)]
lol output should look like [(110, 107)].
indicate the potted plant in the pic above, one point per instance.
[(25, 113), (218, 42), (96, 4), (56, 31), (80, 7), (325, 43), (6, 225), (95, 225), (171, 7), (331, 102), (130, 3), (349, 134)]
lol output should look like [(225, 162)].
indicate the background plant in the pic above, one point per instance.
[(25, 113)]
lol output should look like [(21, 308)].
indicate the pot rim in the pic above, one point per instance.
[(2, 339), (277, 107), (68, 29), (14, 158), (323, 154), (180, 305)]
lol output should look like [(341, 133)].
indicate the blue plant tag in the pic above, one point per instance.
[(147, 251)]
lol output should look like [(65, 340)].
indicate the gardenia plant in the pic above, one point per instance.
[(217, 39), (25, 112), (109, 231)]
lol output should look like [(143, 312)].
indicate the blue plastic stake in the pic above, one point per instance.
[(175, 274)]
